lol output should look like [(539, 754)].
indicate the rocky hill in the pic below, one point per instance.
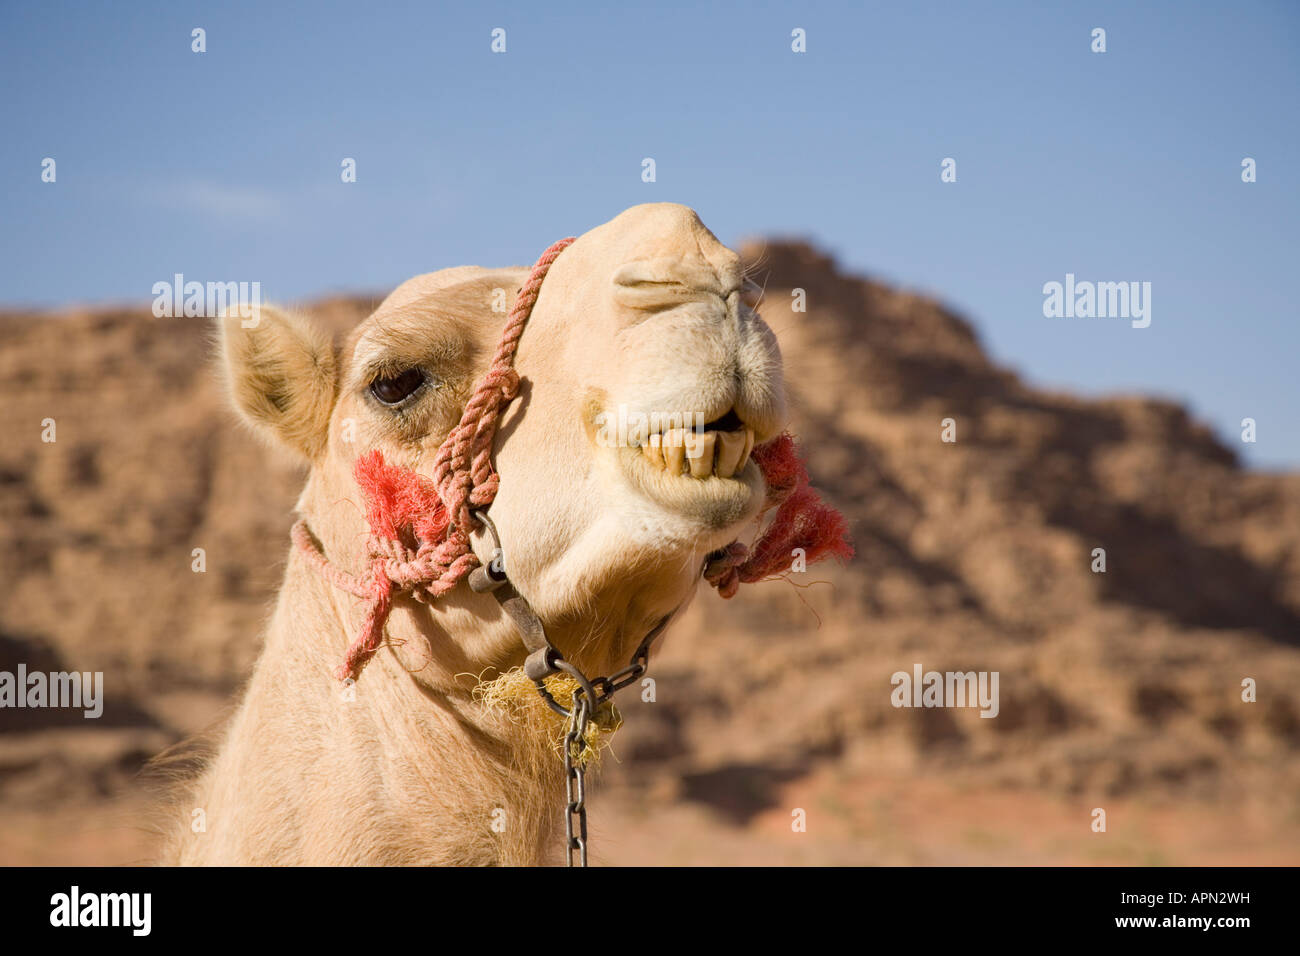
[(1119, 689)]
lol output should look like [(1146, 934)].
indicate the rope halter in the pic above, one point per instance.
[(438, 513)]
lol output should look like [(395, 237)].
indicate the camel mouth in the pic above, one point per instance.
[(720, 449), (701, 471), (687, 445), (696, 465)]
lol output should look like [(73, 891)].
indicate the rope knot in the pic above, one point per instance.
[(391, 550), (506, 379)]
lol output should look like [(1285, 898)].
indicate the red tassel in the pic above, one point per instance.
[(398, 498), (802, 520)]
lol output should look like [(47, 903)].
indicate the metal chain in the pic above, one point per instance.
[(543, 660), (587, 697), (575, 779)]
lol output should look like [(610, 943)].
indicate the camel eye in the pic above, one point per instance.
[(394, 389)]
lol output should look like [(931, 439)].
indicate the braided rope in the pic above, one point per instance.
[(463, 480), (462, 469)]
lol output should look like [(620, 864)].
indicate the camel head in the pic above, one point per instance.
[(624, 460)]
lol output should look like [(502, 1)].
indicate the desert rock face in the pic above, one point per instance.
[(1119, 689)]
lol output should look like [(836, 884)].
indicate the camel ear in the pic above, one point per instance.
[(280, 373)]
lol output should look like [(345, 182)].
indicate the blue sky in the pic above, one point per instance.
[(1116, 166)]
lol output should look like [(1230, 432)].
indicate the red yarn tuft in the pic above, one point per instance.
[(398, 498), (802, 520), (782, 469)]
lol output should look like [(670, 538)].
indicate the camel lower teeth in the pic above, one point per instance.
[(699, 451), (731, 445), (681, 451)]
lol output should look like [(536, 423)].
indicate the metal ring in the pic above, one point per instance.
[(583, 684), (551, 702), (483, 519), (606, 685)]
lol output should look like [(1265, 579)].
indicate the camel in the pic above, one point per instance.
[(402, 763)]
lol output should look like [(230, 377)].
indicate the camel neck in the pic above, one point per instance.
[(384, 771)]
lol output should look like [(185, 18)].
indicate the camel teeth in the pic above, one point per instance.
[(700, 449), (749, 446), (674, 451), (685, 451), (730, 447)]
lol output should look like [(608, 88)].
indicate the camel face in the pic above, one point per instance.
[(624, 460), (646, 383)]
